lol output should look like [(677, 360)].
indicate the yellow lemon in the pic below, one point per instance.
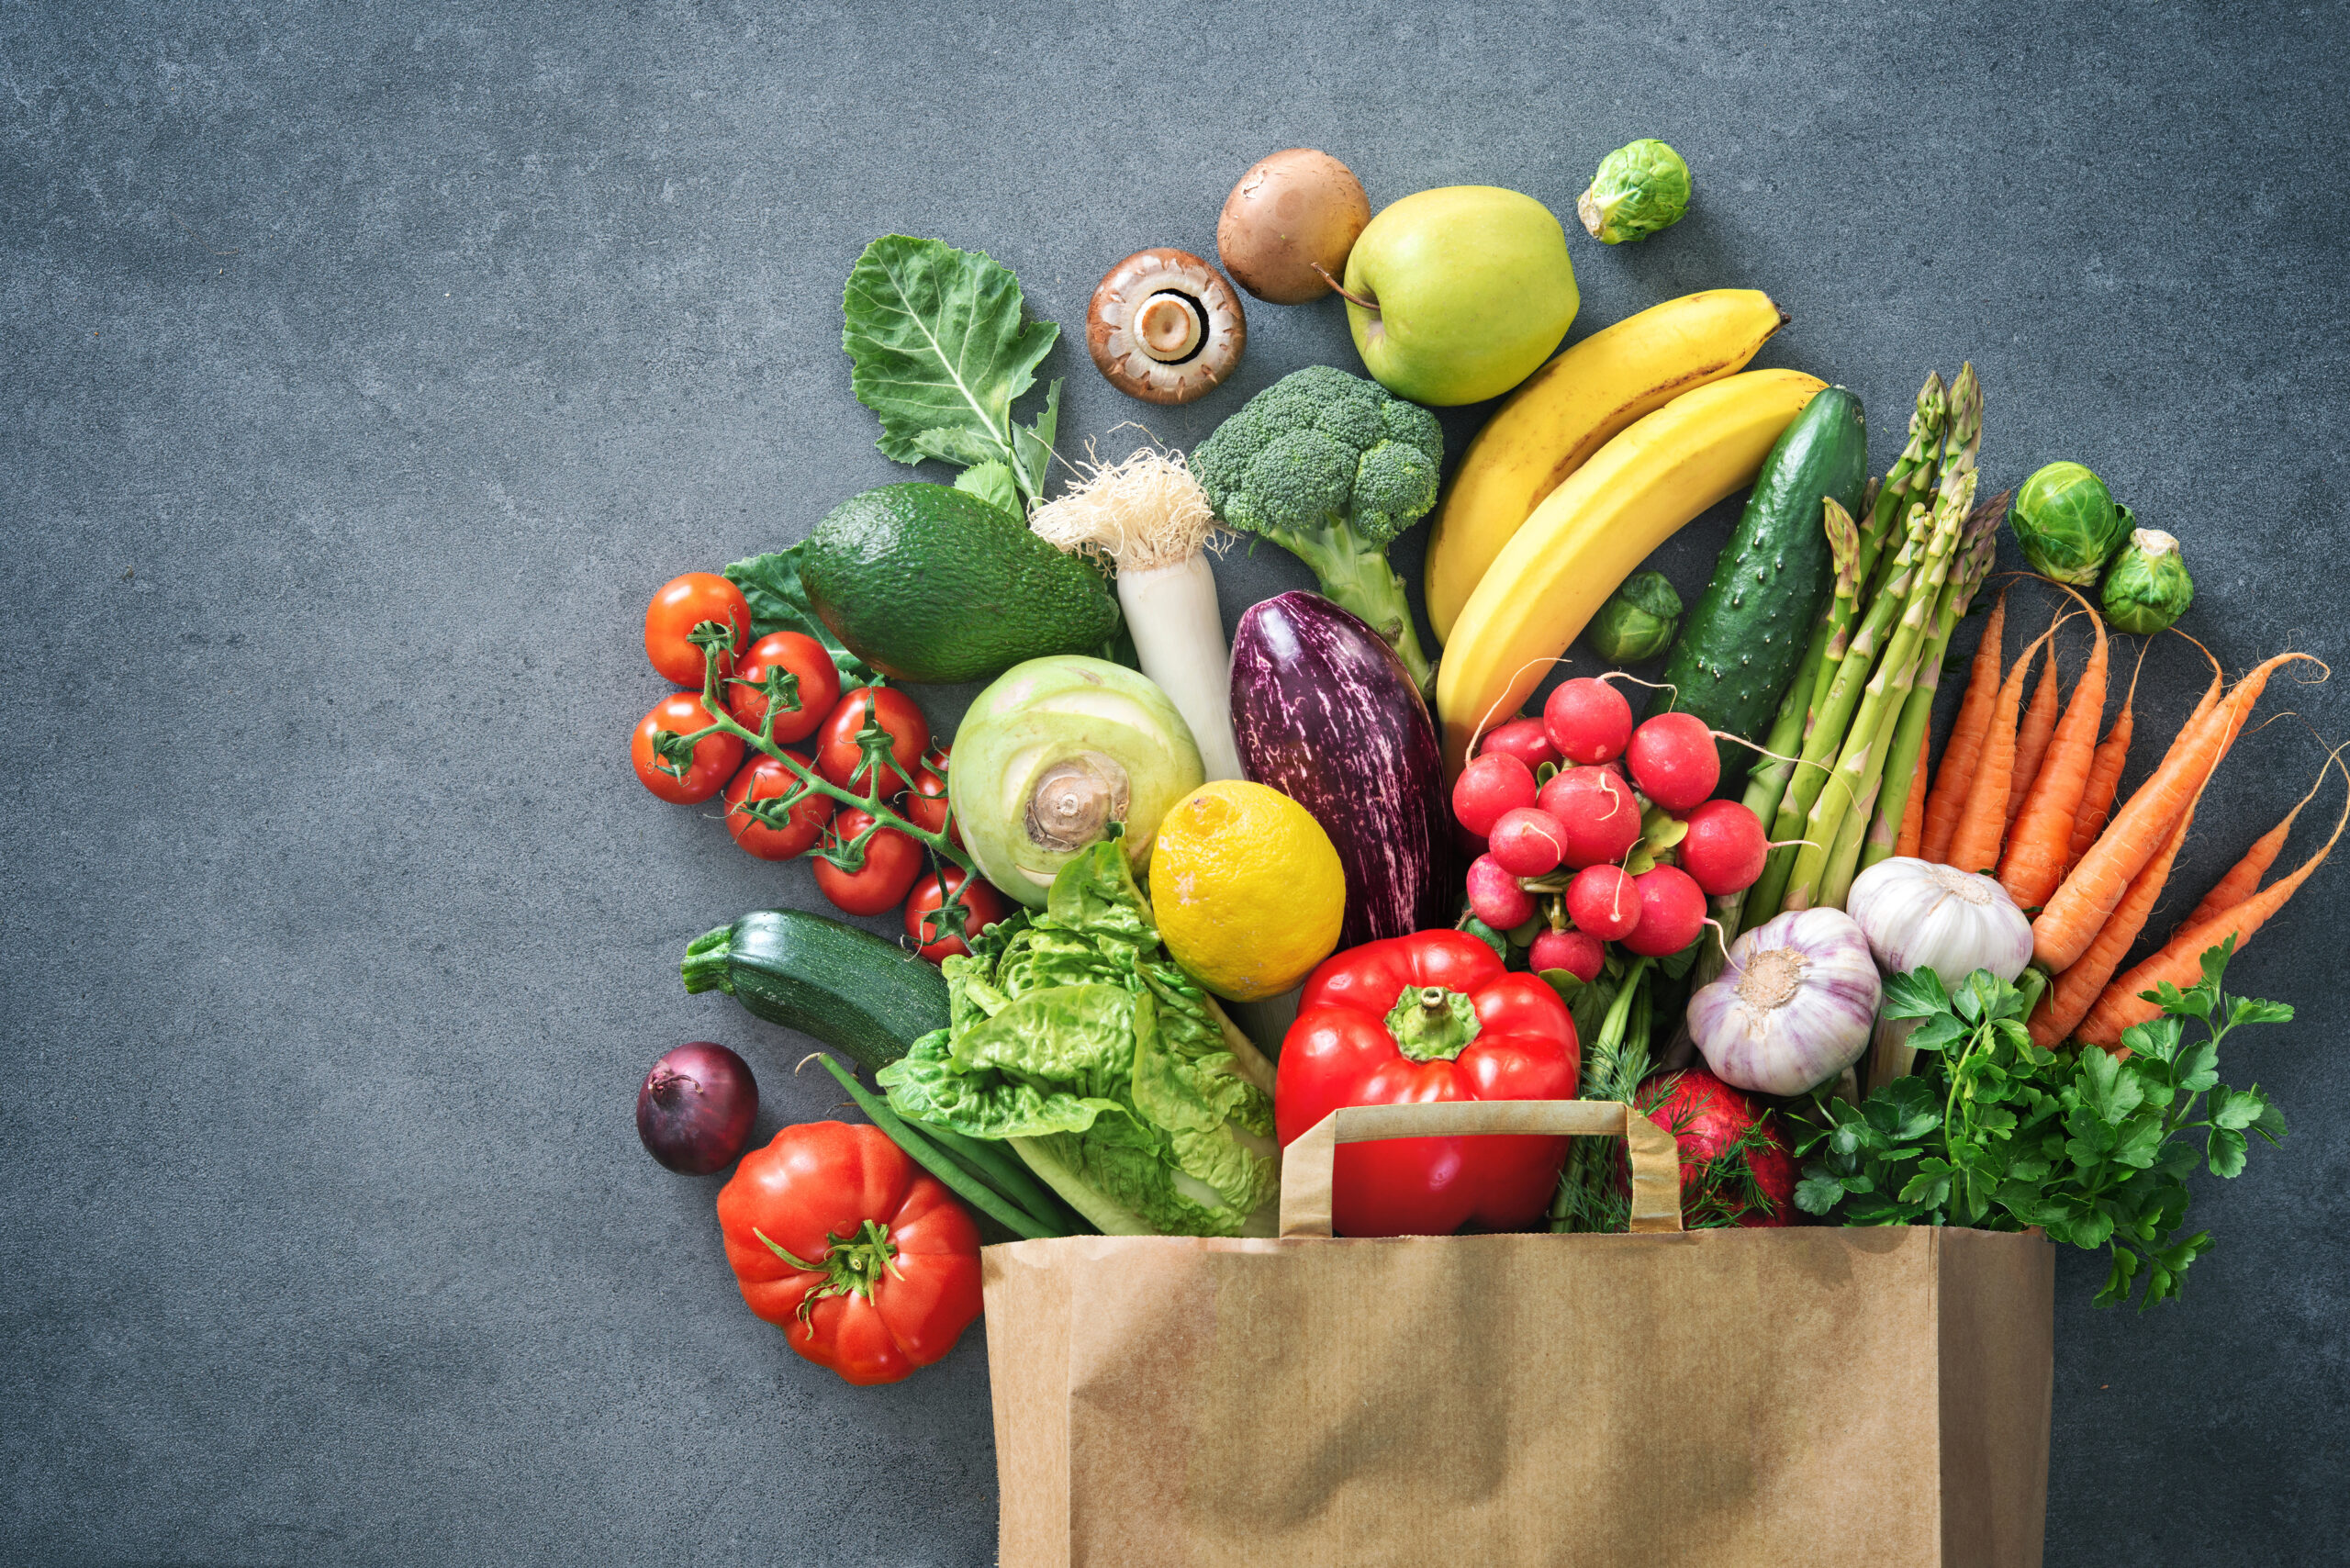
[(1248, 888)]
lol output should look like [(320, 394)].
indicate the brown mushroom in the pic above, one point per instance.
[(1165, 327), (1288, 225)]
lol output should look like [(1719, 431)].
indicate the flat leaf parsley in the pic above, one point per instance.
[(1994, 1133)]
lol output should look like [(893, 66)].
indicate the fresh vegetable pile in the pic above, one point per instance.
[(1165, 902)]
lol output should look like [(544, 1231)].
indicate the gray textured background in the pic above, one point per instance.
[(368, 367)]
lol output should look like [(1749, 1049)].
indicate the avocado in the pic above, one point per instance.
[(933, 585)]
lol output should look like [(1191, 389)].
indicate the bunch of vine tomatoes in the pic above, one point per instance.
[(870, 742)]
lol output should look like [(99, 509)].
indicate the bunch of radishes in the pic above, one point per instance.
[(1565, 826)]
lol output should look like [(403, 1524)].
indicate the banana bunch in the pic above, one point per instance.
[(1601, 456)]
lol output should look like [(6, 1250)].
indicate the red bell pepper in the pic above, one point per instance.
[(1429, 1016), (865, 1261)]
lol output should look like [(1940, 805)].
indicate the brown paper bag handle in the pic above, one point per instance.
[(1307, 1164)]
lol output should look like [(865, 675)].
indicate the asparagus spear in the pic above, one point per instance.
[(1823, 740), (1908, 481), (1848, 550), (1843, 856), (1962, 438), (1896, 763), (1766, 783), (1860, 766), (1953, 489), (1902, 773)]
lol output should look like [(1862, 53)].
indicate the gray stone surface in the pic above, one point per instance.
[(368, 367)]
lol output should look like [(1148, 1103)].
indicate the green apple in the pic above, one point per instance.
[(1471, 289)]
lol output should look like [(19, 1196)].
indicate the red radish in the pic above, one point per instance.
[(1596, 809), (1523, 739), (1577, 952), (1674, 760), (1604, 902), (1672, 911), (1528, 842), (1725, 847), (1588, 721), (1735, 1169), (1495, 896), (1492, 783)]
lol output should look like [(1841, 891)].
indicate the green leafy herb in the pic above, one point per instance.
[(992, 481), (1614, 1015), (770, 585), (939, 350), (1996, 1134)]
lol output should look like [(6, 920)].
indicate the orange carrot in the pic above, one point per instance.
[(2113, 754), (2070, 996), (2181, 959), (2043, 831), (2243, 878), (2031, 739), (1913, 812), (1975, 846), (1963, 751), (2076, 911), (2105, 772)]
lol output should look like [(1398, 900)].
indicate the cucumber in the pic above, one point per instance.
[(1740, 645), (846, 988)]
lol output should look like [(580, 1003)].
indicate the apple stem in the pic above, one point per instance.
[(1339, 289)]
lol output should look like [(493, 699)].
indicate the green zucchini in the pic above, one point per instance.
[(846, 988), (1740, 645)]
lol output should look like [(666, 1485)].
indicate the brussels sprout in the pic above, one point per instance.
[(2066, 521), (1641, 187), (2148, 588), (1639, 620)]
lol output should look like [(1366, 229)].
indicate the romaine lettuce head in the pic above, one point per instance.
[(1076, 1038)]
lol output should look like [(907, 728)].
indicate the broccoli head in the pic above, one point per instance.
[(1331, 467)]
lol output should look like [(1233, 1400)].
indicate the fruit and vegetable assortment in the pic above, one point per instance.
[(1166, 901)]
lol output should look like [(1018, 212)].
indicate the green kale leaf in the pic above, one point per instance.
[(770, 585), (938, 349)]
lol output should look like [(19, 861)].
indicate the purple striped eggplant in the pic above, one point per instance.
[(1325, 713)]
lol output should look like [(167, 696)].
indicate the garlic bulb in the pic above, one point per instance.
[(1917, 916), (1792, 1007)]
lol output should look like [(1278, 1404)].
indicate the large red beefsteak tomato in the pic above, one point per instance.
[(864, 1260), (1429, 1016)]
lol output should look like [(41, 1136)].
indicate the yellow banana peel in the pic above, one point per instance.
[(1590, 533), (1571, 408)]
